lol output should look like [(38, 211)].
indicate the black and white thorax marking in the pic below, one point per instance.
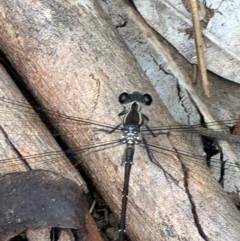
[(133, 119), (132, 123)]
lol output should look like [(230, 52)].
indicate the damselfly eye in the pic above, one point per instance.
[(124, 98), (147, 99)]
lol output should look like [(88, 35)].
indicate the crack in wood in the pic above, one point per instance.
[(15, 148), (193, 206)]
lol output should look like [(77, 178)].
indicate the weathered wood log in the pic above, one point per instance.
[(74, 62), (25, 142), (18, 117)]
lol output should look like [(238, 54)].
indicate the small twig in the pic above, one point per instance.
[(199, 47), (194, 73)]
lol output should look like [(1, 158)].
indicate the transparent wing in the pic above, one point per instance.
[(11, 110)]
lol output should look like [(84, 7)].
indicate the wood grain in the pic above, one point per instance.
[(74, 62)]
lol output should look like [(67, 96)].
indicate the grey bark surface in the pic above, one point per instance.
[(74, 62), (172, 19)]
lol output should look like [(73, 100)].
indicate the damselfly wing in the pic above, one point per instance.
[(78, 124)]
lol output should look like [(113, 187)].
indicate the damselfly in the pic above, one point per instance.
[(131, 125)]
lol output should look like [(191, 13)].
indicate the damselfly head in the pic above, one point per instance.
[(126, 98)]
